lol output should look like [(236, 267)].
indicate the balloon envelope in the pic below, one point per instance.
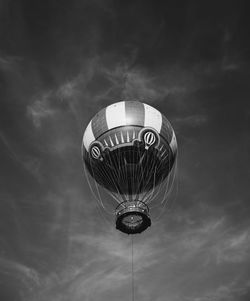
[(129, 149)]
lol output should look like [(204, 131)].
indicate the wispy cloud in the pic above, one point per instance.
[(40, 109), (233, 248), (9, 63), (8, 146), (25, 276), (191, 120), (115, 246), (30, 163), (107, 271), (231, 291), (99, 82), (210, 240)]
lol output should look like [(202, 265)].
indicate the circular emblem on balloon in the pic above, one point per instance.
[(149, 137), (95, 152)]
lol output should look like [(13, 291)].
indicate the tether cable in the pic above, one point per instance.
[(132, 268)]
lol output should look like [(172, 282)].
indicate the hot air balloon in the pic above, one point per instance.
[(129, 151)]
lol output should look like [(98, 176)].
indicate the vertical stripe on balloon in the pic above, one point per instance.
[(99, 123), (115, 115), (134, 113), (173, 144), (166, 129), (88, 136), (153, 118)]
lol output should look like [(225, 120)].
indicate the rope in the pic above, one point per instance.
[(132, 270)]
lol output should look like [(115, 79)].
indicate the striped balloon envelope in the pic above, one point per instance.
[(129, 149)]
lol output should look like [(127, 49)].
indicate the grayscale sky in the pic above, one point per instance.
[(62, 61)]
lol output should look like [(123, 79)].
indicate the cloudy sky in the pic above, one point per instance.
[(62, 61)]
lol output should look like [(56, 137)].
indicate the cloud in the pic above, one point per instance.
[(8, 146), (211, 240), (9, 63), (85, 281), (193, 240), (233, 248), (25, 275), (41, 109), (99, 283), (30, 163), (114, 246), (232, 291), (102, 80), (139, 83), (67, 90), (195, 120), (98, 265)]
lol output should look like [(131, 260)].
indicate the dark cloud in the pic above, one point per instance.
[(62, 61)]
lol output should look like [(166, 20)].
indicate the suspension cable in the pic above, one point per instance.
[(132, 268)]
